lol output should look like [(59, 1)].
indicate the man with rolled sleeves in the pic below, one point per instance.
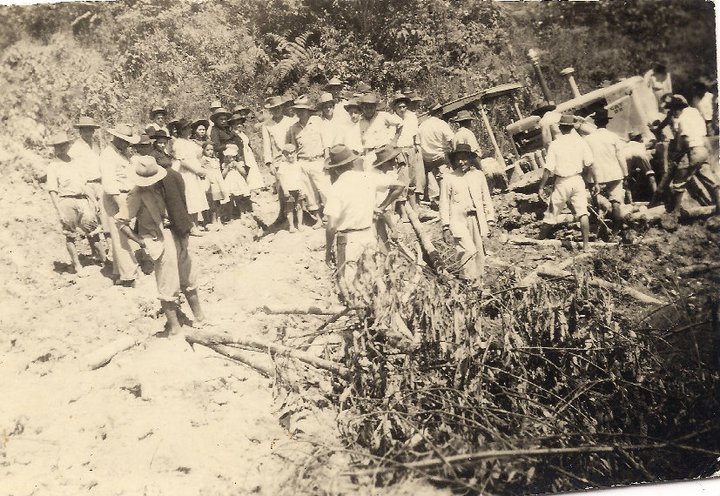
[(436, 142), (377, 128), (117, 181), (86, 152), (568, 157)]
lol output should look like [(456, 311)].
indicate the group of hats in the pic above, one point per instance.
[(342, 155)]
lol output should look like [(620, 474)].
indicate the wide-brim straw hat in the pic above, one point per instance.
[(369, 99), (241, 109), (219, 112), (303, 103), (462, 148), (124, 132), (236, 117), (159, 134), (59, 139), (215, 104), (400, 97), (147, 171), (200, 122), (274, 102), (144, 139), (462, 116), (86, 122), (340, 155), (326, 98), (352, 103), (334, 82), (385, 154), (566, 120), (157, 110)]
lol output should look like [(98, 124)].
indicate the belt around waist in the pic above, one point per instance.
[(345, 231), (98, 180), (79, 196), (311, 159)]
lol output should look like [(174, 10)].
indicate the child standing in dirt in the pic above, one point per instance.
[(290, 177), (71, 198), (234, 173), (216, 184)]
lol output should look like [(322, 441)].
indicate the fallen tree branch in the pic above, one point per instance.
[(209, 340), (483, 455), (601, 283), (243, 358), (532, 277), (308, 310), (698, 268), (557, 243), (425, 242), (102, 356)]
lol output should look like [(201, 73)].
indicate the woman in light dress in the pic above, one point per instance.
[(188, 155)]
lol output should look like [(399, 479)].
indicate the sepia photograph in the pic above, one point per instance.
[(359, 247)]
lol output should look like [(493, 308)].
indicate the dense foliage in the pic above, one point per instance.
[(553, 366), (115, 60)]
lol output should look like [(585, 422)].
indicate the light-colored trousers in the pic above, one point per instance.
[(317, 182), (350, 247), (469, 245), (174, 269), (123, 250)]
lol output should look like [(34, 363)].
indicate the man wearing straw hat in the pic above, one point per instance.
[(169, 251), (70, 196), (117, 181), (436, 142), (306, 134), (330, 123), (378, 128), (86, 152), (158, 116), (464, 132), (334, 87), (411, 169), (349, 213), (389, 185), (274, 134)]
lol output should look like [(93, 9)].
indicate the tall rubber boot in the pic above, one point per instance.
[(194, 301), (172, 326)]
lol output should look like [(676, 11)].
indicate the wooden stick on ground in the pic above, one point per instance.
[(558, 243), (102, 357), (698, 268), (244, 358), (208, 339), (300, 310), (482, 455), (601, 283)]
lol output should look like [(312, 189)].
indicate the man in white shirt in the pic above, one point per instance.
[(413, 170), (567, 158), (275, 133), (609, 167), (436, 142), (349, 212), (334, 87), (658, 80), (692, 148)]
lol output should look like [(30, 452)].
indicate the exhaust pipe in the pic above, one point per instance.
[(568, 73)]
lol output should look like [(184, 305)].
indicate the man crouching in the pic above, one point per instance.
[(168, 251)]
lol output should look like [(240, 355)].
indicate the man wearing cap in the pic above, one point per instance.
[(86, 152), (567, 158), (158, 115), (691, 152), (349, 213), (410, 166), (169, 251), (436, 142), (609, 166), (307, 136), (117, 181), (334, 87), (70, 196), (378, 128)]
